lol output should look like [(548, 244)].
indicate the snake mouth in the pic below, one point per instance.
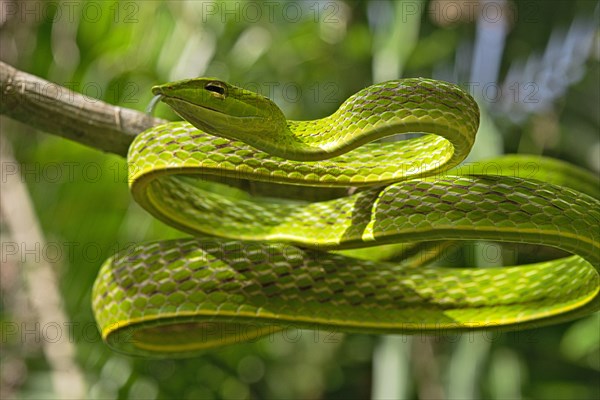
[(204, 118), (182, 107), (166, 98)]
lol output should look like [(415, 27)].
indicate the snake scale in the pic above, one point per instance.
[(257, 263)]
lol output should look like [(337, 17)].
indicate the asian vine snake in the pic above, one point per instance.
[(258, 264)]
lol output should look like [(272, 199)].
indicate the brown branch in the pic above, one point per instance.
[(59, 111)]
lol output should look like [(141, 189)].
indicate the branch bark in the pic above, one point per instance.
[(59, 111)]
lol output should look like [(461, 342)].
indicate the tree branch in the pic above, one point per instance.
[(59, 111)]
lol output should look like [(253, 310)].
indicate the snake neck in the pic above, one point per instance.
[(391, 108)]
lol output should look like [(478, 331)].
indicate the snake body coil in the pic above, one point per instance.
[(258, 264)]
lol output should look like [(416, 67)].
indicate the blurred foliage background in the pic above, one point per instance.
[(533, 66)]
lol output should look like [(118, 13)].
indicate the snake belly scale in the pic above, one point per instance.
[(256, 264)]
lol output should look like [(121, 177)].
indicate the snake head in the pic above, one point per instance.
[(222, 109)]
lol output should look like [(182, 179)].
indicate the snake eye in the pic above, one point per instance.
[(216, 88)]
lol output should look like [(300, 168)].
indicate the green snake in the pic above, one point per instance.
[(267, 254)]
